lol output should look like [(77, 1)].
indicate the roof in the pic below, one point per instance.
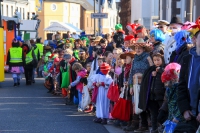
[(63, 27), (16, 20)]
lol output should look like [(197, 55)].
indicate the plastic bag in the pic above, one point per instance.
[(113, 92), (65, 78), (85, 98), (169, 126)]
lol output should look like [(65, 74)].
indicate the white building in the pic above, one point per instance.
[(25, 7), (146, 11)]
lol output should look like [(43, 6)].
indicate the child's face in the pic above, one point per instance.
[(103, 44), (157, 61), (139, 50), (56, 63), (67, 60), (115, 54), (77, 45), (120, 61), (100, 62), (88, 68), (126, 43), (109, 57), (128, 59)]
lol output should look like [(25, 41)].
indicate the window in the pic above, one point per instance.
[(87, 22), (7, 10), (28, 15), (12, 11), (1, 9), (23, 14), (53, 7)]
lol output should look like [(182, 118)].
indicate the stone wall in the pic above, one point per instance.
[(125, 13)]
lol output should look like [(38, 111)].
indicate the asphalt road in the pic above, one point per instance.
[(31, 109)]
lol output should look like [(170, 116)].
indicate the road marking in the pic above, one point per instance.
[(31, 97)]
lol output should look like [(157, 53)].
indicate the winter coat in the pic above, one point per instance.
[(151, 87), (177, 55)]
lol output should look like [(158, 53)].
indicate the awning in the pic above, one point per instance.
[(16, 20), (62, 27)]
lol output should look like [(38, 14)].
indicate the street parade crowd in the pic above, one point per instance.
[(148, 78)]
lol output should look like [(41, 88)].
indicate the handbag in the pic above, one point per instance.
[(48, 82), (122, 108), (85, 98), (15, 69), (136, 89), (65, 78), (113, 92)]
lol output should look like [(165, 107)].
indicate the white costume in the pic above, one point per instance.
[(102, 102), (92, 73), (170, 46)]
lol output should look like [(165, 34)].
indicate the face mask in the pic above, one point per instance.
[(174, 30)]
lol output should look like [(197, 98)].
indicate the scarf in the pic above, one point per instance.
[(127, 70)]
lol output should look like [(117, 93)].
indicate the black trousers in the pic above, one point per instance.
[(154, 107), (28, 74)]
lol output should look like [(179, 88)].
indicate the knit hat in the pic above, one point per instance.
[(104, 68), (118, 27), (67, 56), (140, 42), (56, 59)]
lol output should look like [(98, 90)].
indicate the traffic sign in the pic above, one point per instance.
[(99, 15)]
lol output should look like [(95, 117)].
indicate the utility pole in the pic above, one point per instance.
[(100, 25), (94, 18)]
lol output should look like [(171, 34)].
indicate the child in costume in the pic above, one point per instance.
[(152, 89), (81, 73), (170, 78), (65, 73), (102, 81), (119, 36), (129, 39), (55, 71), (142, 61)]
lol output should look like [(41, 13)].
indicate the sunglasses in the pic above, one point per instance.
[(152, 35), (160, 27)]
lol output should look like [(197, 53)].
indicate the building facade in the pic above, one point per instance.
[(25, 7)]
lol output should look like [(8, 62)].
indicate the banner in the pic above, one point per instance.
[(38, 5)]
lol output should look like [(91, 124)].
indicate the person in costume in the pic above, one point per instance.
[(102, 81), (152, 89), (83, 54), (110, 46), (15, 61), (170, 78), (141, 32), (188, 87), (163, 26), (142, 61), (156, 38), (86, 41), (77, 47), (119, 36), (65, 73), (131, 28), (103, 43), (93, 42), (170, 43), (81, 73), (182, 40), (129, 39)]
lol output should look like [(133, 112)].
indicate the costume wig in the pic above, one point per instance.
[(158, 35), (182, 37)]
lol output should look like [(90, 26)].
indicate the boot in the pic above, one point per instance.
[(15, 84), (134, 125)]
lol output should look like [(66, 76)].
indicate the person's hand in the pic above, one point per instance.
[(157, 69), (162, 116), (154, 73), (97, 84), (131, 91), (69, 87), (175, 120), (187, 115), (114, 45), (198, 117)]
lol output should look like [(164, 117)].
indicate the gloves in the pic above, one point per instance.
[(162, 116)]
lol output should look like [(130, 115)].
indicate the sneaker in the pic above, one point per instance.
[(80, 109), (141, 130), (15, 84), (89, 110)]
